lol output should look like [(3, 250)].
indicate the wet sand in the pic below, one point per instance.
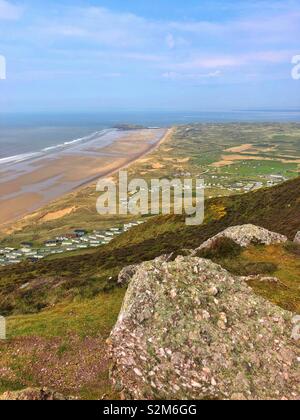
[(31, 184)]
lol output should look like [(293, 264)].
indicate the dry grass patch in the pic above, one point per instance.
[(58, 214)]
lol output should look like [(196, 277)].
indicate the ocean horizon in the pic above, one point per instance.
[(23, 135)]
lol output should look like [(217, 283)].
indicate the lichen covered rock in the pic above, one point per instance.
[(246, 235), (33, 394), (297, 238), (127, 273), (190, 330)]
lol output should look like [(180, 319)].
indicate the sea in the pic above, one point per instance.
[(23, 136)]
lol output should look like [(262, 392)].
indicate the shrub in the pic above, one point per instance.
[(221, 248), (292, 248), (241, 267)]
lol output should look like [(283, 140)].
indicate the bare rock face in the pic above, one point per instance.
[(297, 238), (245, 235), (33, 394), (188, 329)]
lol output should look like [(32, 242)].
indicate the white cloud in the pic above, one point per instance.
[(125, 31), (197, 27), (67, 31), (234, 60), (174, 76), (9, 11), (101, 26), (111, 75), (266, 28), (151, 58), (170, 41), (183, 50)]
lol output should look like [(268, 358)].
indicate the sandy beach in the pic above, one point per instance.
[(32, 183)]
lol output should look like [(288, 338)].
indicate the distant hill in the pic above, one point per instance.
[(126, 127)]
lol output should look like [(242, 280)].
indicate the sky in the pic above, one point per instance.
[(168, 55)]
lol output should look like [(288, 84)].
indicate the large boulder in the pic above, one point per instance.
[(246, 235), (297, 238), (129, 271), (190, 330)]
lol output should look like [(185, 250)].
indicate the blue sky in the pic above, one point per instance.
[(118, 55)]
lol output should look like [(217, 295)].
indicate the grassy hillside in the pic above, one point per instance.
[(29, 288), (62, 309)]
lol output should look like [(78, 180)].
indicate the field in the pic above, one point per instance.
[(231, 158)]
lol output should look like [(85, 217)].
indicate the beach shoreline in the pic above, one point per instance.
[(128, 164), (51, 179)]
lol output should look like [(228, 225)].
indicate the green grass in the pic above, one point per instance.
[(287, 292), (7, 385), (253, 168), (278, 261), (70, 323), (90, 317)]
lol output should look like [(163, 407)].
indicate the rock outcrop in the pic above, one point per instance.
[(188, 329), (246, 235), (33, 394), (297, 238), (261, 279), (127, 273)]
